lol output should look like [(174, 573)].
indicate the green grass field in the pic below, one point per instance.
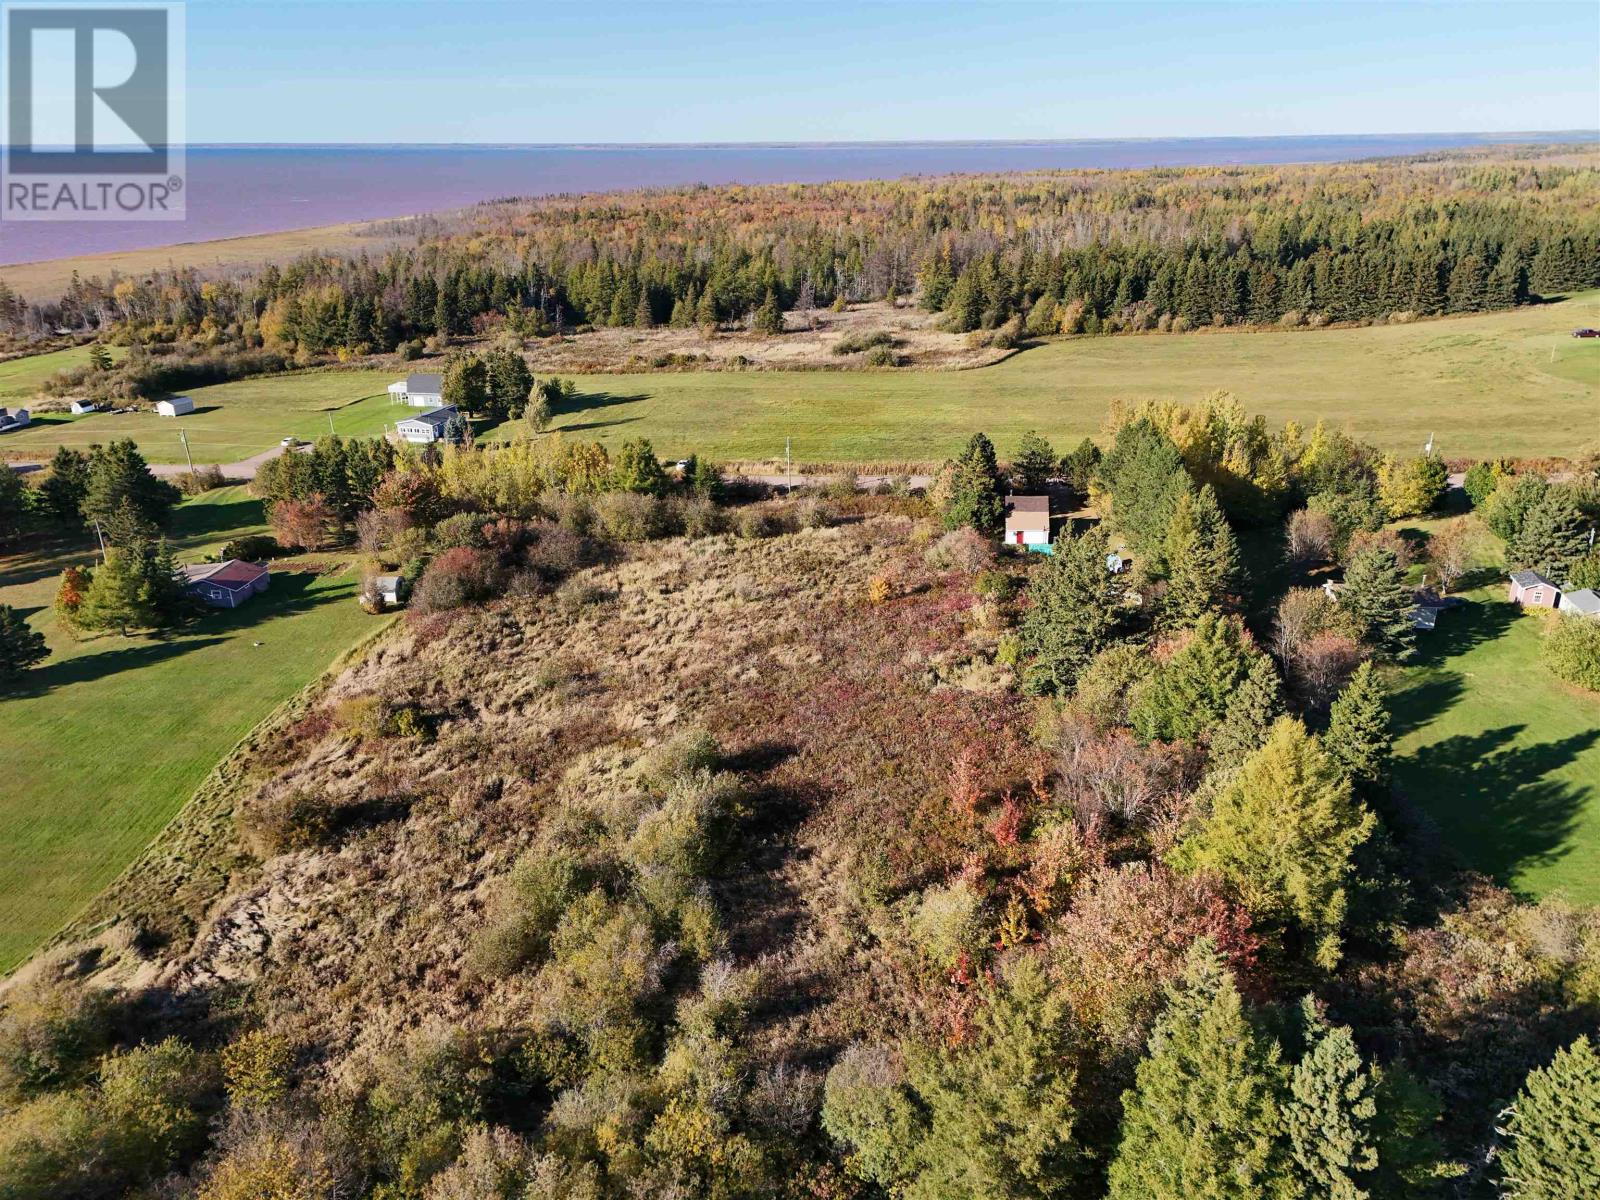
[(1511, 383), (106, 740), (21, 378), (1504, 757), (231, 421)]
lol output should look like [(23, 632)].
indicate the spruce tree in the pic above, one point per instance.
[(63, 491), (1034, 464), (975, 498), (1252, 709), (1202, 558), (1145, 475), (13, 504), (1549, 539), (1377, 597), (1553, 1136), (638, 469), (1075, 609), (769, 317), (1204, 1117), (118, 475), (1189, 694), (1281, 834), (117, 597), (1358, 738), (20, 646), (1331, 1114), (705, 313)]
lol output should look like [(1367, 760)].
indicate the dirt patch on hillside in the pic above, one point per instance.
[(808, 343)]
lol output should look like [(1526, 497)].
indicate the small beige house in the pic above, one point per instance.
[(1028, 522)]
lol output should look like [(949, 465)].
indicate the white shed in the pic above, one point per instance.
[(174, 407)]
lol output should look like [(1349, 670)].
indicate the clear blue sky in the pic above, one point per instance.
[(704, 70)]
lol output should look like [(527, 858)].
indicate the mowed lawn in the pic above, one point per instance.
[(1500, 754), (1513, 383), (21, 378), (106, 740), (231, 421)]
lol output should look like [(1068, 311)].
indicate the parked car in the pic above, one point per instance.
[(1586, 333)]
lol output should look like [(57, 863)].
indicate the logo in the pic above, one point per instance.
[(93, 112)]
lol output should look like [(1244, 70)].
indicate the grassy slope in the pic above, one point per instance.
[(1504, 757), (112, 735), (1510, 383), (21, 378), (1486, 385), (231, 421), (1501, 755)]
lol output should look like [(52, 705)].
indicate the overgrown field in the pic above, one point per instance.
[(106, 741), (20, 378)]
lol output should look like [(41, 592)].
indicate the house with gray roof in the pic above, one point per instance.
[(1530, 589), (426, 427), (420, 389)]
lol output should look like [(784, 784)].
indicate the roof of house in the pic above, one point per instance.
[(1027, 512), (436, 417), (1527, 579), (233, 574), (1584, 600), (386, 583), (424, 382)]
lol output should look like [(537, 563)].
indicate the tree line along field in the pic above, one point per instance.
[(105, 742), (1503, 384)]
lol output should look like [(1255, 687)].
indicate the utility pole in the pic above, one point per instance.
[(183, 436), (331, 433), (788, 485), (102, 538)]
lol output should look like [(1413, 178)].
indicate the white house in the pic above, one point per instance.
[(418, 390), (1581, 603), (79, 407), (15, 418), (1028, 522), (426, 427), (174, 407)]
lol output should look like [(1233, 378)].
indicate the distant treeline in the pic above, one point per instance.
[(1084, 251)]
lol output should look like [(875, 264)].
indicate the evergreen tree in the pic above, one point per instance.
[(705, 479), (1145, 475), (1549, 539), (1074, 612), (706, 311), (13, 504), (1331, 1114), (1358, 738), (64, 490), (99, 357), (1376, 596), (1281, 834), (1254, 707), (1511, 501), (1034, 464), (118, 477), (975, 498), (1204, 1117), (1189, 693), (20, 646), (507, 384), (638, 469), (1202, 558), (769, 317), (999, 1106), (466, 383), (1078, 467), (1553, 1137), (118, 597)]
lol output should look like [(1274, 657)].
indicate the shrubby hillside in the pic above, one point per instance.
[(749, 867)]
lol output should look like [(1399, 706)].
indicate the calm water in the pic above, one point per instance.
[(243, 190)]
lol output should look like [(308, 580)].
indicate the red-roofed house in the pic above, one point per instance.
[(226, 584)]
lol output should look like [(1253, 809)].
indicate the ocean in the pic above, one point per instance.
[(238, 190)]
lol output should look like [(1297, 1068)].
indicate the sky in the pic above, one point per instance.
[(707, 71)]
